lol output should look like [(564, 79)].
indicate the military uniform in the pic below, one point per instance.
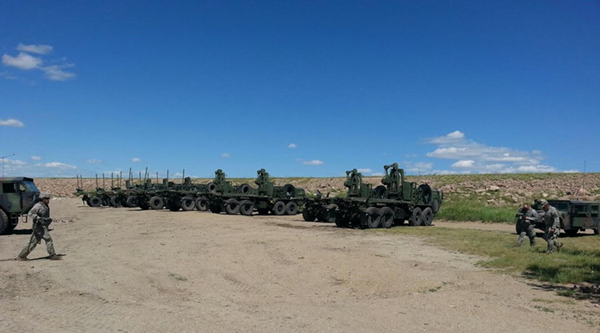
[(552, 229), (40, 214), (527, 220)]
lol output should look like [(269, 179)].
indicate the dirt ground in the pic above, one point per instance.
[(126, 270)]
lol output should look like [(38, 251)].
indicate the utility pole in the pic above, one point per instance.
[(3, 157)]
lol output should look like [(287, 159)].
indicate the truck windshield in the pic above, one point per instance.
[(30, 186)]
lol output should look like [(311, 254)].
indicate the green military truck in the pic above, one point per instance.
[(17, 196), (574, 215)]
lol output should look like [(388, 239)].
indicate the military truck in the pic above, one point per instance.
[(244, 199), (17, 197), (393, 202), (574, 215)]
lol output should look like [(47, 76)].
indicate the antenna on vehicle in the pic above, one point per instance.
[(111, 180), (103, 185), (96, 180), (3, 157), (157, 177)]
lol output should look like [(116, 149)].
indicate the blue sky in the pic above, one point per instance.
[(301, 88)]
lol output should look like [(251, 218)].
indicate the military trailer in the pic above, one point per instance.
[(383, 206), (17, 197), (574, 215), (244, 199)]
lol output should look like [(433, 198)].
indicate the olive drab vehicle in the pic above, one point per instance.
[(574, 215), (244, 199), (17, 196), (393, 202)]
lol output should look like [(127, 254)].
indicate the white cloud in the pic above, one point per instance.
[(366, 170), (136, 160), (377, 174), (417, 166), (292, 146), (225, 155), (11, 122), (36, 158), (94, 161), (481, 158), (59, 165), (55, 72), (14, 162), (22, 61), (455, 136), (39, 49), (463, 164), (313, 162)]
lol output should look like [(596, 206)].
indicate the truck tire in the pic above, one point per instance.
[(187, 203), (386, 217), (4, 223), (331, 214), (279, 208), (291, 208), (132, 201), (416, 217), (571, 232), (156, 203), (95, 202), (435, 206), (371, 218), (308, 215), (232, 206), (211, 188), (427, 216), (214, 208), (143, 205), (173, 206), (115, 202), (202, 204), (263, 211), (244, 189), (246, 207)]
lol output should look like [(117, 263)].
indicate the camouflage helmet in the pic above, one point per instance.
[(543, 203), (45, 195)]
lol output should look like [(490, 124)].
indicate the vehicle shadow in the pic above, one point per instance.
[(589, 292)]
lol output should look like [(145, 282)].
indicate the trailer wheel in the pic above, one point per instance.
[(571, 232), (95, 202), (202, 204), (309, 215), (331, 214), (371, 218), (173, 206), (427, 216), (244, 189), (187, 203), (263, 211), (246, 207), (435, 206), (291, 208), (416, 218), (132, 201), (156, 203), (279, 208), (214, 208), (386, 217), (143, 205), (232, 206), (115, 202), (341, 221), (4, 223)]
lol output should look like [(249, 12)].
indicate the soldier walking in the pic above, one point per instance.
[(527, 218), (40, 214), (552, 227)]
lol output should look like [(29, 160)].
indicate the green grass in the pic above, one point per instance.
[(473, 209), (579, 260)]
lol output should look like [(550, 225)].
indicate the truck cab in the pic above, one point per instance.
[(574, 215), (17, 197)]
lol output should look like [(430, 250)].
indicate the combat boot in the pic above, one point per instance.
[(19, 258), (558, 247)]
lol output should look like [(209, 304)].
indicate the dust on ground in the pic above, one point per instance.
[(126, 270)]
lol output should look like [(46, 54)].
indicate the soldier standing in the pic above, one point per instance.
[(527, 218), (40, 214), (552, 227)]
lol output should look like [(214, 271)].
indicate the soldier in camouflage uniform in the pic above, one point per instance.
[(552, 227), (40, 214), (527, 218)]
